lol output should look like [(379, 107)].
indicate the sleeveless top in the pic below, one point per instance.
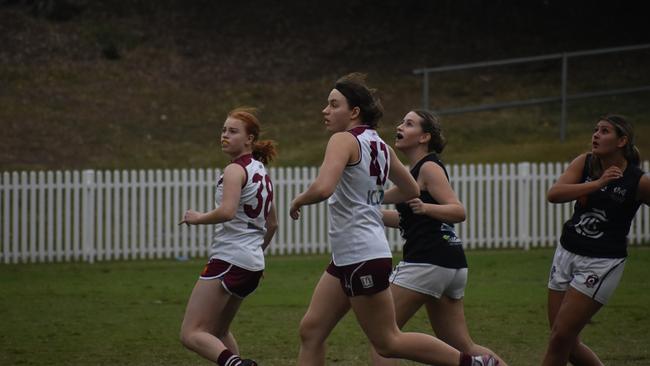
[(356, 229), (601, 220), (239, 241), (429, 240)]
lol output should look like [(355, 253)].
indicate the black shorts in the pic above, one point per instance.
[(365, 278), (236, 280)]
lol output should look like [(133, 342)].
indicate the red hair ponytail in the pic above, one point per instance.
[(264, 150)]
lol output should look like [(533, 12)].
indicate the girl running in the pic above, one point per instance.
[(352, 178), (433, 271), (245, 223), (608, 187)]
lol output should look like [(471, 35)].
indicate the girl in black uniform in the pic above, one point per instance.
[(608, 187), (433, 271)]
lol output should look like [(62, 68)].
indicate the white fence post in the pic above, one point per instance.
[(523, 183), (5, 191), (88, 220)]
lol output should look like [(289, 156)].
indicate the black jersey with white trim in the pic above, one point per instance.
[(602, 219), (429, 240)]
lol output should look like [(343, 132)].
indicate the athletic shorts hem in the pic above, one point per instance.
[(237, 281), (363, 278), (557, 288), (416, 289), (225, 287), (591, 296)]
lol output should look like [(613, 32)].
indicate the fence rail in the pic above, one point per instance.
[(93, 215), (562, 98)]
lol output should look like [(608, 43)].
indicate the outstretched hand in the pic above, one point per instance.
[(191, 217)]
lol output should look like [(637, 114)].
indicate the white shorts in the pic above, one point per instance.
[(594, 277), (430, 279)]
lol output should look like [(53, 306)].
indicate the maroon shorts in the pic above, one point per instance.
[(365, 278), (236, 280)]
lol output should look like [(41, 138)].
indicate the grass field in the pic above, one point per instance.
[(129, 313)]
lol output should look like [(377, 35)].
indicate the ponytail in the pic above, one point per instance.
[(624, 128), (632, 155), (264, 151)]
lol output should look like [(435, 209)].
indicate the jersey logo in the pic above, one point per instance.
[(589, 224), (591, 281), (449, 234), (375, 197), (618, 194), (366, 281)]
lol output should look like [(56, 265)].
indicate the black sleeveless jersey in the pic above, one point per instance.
[(429, 240), (602, 219)]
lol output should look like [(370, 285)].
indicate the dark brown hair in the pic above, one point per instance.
[(358, 94), (431, 124)]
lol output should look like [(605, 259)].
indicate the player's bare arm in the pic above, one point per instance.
[(390, 218), (568, 186), (449, 209), (406, 187), (340, 150), (234, 178), (643, 192)]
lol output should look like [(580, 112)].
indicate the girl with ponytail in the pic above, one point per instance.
[(245, 221), (608, 187), (353, 177), (433, 270)]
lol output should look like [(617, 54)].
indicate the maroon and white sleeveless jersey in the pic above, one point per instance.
[(356, 229), (239, 241)]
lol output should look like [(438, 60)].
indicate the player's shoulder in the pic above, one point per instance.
[(578, 163), (433, 170), (581, 159), (235, 170), (343, 138), (432, 167)]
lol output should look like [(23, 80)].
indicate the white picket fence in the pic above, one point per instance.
[(106, 215)]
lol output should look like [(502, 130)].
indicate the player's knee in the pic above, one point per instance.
[(386, 347), (561, 336), (463, 345), (308, 329), (187, 339)]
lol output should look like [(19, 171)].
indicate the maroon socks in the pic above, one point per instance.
[(227, 358)]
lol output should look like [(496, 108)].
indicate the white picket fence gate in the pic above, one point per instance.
[(107, 215)]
